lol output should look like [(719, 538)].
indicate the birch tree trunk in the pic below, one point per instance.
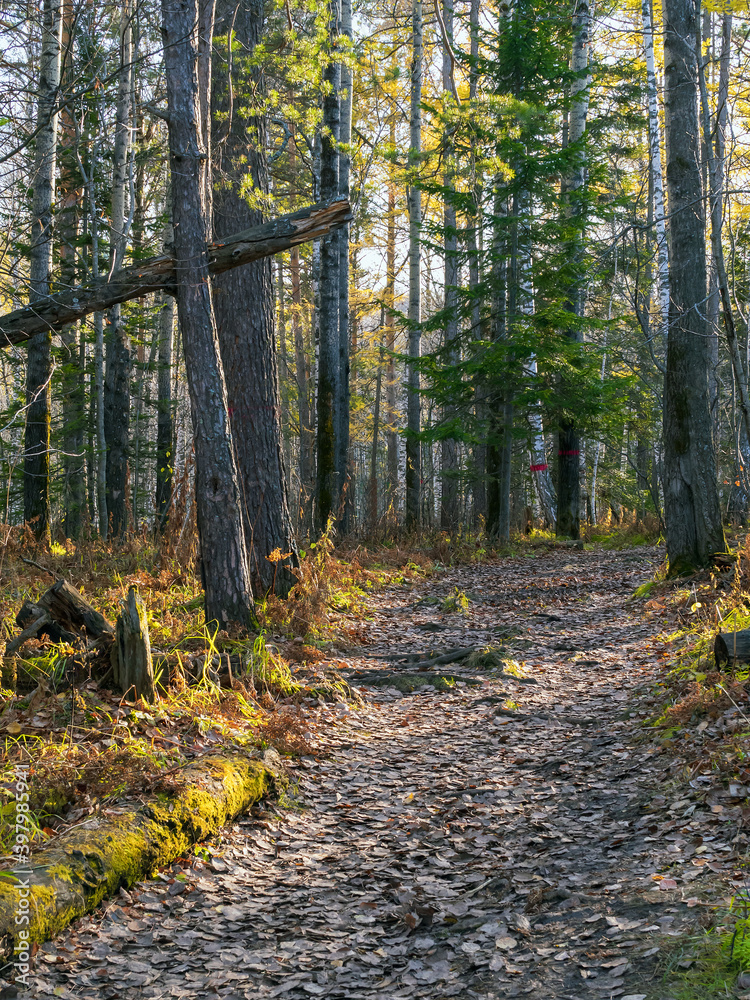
[(569, 483), (414, 198), (691, 500), (117, 358), (36, 504), (187, 32), (657, 178), (327, 485), (243, 301)]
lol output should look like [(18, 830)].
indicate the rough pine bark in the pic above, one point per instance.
[(117, 357), (414, 198), (243, 299), (327, 485), (449, 505), (69, 197), (36, 504), (164, 422), (391, 434), (186, 32), (691, 500), (343, 463)]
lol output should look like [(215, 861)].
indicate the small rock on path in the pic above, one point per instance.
[(447, 847)]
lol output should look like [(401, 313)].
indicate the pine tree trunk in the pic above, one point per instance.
[(569, 483), (243, 304), (164, 419), (36, 503), (501, 396), (449, 507), (391, 434), (69, 194), (691, 501), (101, 442), (524, 307), (414, 198), (306, 436), (343, 465), (327, 485), (117, 358), (479, 486), (186, 32)]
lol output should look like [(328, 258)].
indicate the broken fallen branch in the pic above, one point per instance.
[(30, 632), (160, 273)]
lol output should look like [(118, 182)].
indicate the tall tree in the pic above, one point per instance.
[(343, 465), (187, 28), (327, 485), (36, 501), (449, 505), (691, 499), (391, 435), (118, 361), (569, 482), (69, 197), (414, 199), (243, 297), (657, 177)]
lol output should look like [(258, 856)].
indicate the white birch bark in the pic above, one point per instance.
[(657, 176)]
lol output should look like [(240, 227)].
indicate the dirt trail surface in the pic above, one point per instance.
[(489, 840)]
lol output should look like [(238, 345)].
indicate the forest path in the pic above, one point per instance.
[(450, 845)]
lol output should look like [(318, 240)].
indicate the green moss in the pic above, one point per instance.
[(86, 865), (489, 658)]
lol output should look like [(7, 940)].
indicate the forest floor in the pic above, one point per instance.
[(513, 827)]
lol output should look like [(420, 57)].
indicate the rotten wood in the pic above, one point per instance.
[(131, 651), (159, 273), (30, 613), (73, 612), (31, 632)]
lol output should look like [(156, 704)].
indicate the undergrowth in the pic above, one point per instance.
[(711, 965)]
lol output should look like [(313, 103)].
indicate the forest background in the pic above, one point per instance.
[(536, 312)]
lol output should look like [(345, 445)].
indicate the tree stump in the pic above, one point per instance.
[(732, 647), (131, 652)]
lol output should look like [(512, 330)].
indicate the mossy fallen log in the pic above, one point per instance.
[(87, 864)]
